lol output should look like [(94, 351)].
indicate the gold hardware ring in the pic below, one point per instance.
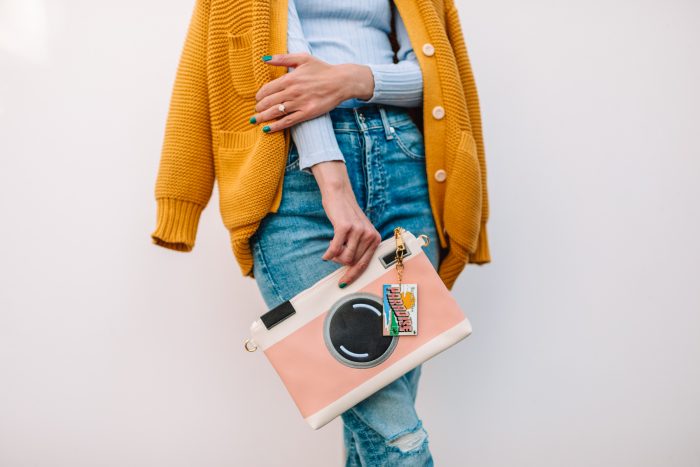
[(426, 239), (247, 347)]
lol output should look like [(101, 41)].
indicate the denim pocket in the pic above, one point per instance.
[(409, 139), (292, 158)]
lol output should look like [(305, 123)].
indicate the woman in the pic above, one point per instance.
[(352, 175), (355, 166)]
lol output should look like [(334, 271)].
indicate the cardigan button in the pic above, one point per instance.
[(428, 49), (438, 112), (440, 175)]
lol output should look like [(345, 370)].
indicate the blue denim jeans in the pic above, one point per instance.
[(385, 159)]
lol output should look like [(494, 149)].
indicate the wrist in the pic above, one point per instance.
[(358, 81), (331, 177)]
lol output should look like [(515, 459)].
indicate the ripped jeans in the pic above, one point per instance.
[(385, 159)]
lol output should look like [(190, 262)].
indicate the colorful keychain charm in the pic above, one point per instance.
[(400, 310)]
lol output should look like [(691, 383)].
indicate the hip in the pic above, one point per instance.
[(385, 160)]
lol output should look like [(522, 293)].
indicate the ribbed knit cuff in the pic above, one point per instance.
[(176, 224), (310, 160), (315, 141), (398, 84), (482, 254)]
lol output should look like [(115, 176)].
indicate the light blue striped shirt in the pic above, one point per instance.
[(351, 31)]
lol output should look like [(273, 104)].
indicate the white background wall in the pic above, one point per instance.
[(585, 352)]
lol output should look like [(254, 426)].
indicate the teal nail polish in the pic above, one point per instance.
[(252, 119), (342, 285), (266, 128), (266, 57)]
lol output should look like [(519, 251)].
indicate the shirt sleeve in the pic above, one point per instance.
[(314, 138), (399, 83)]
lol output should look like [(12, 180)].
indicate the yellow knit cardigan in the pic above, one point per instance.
[(208, 136)]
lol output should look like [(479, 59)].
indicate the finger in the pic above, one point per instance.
[(365, 238), (347, 256), (336, 245), (356, 270), (291, 59), (282, 123), (266, 94), (281, 83), (271, 111), (370, 237)]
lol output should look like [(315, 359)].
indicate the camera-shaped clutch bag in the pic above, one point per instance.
[(328, 345)]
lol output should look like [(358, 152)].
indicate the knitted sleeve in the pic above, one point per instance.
[(456, 38), (185, 178)]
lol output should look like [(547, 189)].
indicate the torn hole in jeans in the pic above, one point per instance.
[(410, 441)]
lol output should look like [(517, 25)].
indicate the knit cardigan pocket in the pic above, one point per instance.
[(240, 56), (463, 195), (236, 170)]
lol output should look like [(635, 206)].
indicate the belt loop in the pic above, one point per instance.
[(385, 122)]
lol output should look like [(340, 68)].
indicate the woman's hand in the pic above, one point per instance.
[(313, 88), (355, 238)]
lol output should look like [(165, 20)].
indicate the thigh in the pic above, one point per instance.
[(407, 201), (390, 412)]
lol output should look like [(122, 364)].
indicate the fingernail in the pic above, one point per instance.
[(252, 119), (266, 128), (342, 285), (266, 57)]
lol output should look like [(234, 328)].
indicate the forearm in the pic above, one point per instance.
[(315, 138), (332, 179)]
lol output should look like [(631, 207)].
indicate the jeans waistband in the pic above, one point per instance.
[(369, 116)]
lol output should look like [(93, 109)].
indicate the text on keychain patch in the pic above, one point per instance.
[(400, 309)]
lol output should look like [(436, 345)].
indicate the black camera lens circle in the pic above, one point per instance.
[(353, 331)]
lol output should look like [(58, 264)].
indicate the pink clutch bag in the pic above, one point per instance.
[(330, 346)]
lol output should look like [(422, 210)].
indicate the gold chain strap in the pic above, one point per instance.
[(400, 252)]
